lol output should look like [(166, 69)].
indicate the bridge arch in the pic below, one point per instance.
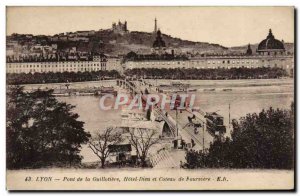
[(166, 130)]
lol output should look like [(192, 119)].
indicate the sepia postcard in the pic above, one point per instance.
[(150, 98)]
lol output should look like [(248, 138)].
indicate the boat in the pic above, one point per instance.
[(132, 115), (176, 83), (107, 90), (86, 94), (227, 89), (192, 90), (180, 85), (163, 85), (61, 94), (209, 89)]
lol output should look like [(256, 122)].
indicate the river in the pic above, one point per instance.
[(245, 96)]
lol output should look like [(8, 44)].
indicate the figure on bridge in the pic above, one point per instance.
[(193, 143), (191, 118)]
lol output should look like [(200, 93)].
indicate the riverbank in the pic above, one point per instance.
[(72, 85), (157, 82)]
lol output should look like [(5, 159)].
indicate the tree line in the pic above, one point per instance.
[(264, 140), (207, 74), (149, 73), (51, 77)]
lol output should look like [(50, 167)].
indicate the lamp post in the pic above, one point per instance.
[(203, 135), (177, 123), (229, 116)]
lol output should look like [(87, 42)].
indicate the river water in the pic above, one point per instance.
[(245, 96)]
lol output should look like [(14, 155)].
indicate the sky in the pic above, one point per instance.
[(228, 26)]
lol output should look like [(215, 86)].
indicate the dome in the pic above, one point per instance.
[(270, 43), (159, 42)]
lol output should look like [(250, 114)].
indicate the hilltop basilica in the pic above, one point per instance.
[(120, 28)]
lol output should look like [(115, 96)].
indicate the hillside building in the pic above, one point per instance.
[(120, 28)]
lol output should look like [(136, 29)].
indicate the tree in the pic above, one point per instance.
[(142, 140), (17, 123), (100, 142), (264, 140), (41, 131)]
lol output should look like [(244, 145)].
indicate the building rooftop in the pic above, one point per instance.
[(270, 43)]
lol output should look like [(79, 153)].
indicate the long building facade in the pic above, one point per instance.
[(214, 62), (100, 62)]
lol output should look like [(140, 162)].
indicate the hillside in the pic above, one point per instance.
[(108, 42), (141, 42)]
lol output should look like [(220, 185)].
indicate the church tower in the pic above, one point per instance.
[(155, 26), (249, 50)]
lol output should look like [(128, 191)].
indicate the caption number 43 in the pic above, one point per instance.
[(28, 179)]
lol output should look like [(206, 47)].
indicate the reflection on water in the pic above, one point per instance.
[(89, 112), (95, 119), (242, 104)]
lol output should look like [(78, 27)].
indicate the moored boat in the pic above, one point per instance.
[(209, 89)]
